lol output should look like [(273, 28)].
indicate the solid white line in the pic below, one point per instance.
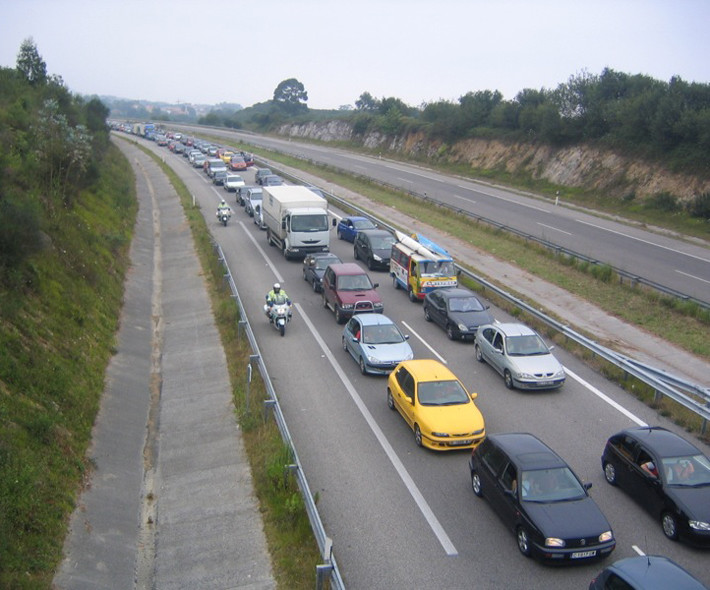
[(424, 342), (638, 550), (605, 398), (555, 229), (642, 241), (276, 272), (692, 276), (464, 199), (384, 443)]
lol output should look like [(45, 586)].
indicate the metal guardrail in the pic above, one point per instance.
[(690, 395), (329, 567)]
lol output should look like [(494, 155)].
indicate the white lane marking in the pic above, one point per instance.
[(514, 201), (406, 180), (692, 276), (279, 278), (424, 342), (554, 228), (384, 443), (605, 398), (468, 200), (638, 550), (650, 243)]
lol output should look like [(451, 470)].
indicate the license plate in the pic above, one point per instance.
[(545, 383), (458, 443), (581, 554)]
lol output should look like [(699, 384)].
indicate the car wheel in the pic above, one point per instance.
[(390, 400), (305, 278), (345, 344), (670, 526), (412, 296), (427, 316), (363, 367), (339, 318), (478, 353), (508, 378), (610, 473), (417, 435), (371, 264), (315, 286), (340, 235), (476, 484), (523, 541), (450, 332), (325, 301), (355, 254)]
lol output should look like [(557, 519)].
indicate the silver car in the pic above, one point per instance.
[(376, 343), (520, 355)]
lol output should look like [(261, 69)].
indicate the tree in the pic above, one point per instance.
[(366, 102), (291, 95), (30, 63)]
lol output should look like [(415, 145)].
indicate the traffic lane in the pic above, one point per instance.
[(675, 264), (407, 303)]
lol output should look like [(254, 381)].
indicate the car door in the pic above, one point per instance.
[(492, 463), (646, 488), (352, 330), (437, 308), (405, 395), (508, 508)]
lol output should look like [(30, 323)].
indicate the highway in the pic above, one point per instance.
[(676, 264), (401, 516)]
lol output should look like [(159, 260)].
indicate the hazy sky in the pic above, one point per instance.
[(202, 51)]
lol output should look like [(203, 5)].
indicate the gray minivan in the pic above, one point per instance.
[(215, 165), (253, 198)]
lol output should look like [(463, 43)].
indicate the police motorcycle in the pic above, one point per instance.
[(278, 310)]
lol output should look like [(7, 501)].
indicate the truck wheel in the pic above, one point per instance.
[(395, 284), (412, 296)]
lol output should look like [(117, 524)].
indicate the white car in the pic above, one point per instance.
[(232, 182), (520, 355)]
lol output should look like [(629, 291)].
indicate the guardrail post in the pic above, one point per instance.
[(241, 326), (326, 568), (268, 404)]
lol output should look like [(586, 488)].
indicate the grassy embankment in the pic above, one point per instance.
[(57, 334)]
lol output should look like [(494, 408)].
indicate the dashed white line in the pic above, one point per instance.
[(555, 229), (424, 342)]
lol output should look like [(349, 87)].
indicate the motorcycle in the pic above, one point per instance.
[(223, 215), (279, 314)]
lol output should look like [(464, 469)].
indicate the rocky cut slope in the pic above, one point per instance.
[(605, 172)]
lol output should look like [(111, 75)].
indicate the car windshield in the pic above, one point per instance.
[(693, 471), (354, 283), (387, 334), (464, 304), (363, 224), (441, 268), (382, 243), (306, 223), (322, 263), (530, 345), (441, 393), (550, 485)]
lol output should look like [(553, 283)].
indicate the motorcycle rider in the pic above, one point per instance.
[(223, 208), (276, 295)]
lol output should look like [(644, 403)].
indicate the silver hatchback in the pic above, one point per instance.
[(520, 355)]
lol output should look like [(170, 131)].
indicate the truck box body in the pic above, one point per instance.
[(296, 220)]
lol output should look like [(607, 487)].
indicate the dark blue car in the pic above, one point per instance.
[(349, 226)]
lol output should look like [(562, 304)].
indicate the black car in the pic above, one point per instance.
[(457, 310), (667, 475), (314, 266), (374, 247), (218, 177), (261, 173), (645, 572), (540, 498)]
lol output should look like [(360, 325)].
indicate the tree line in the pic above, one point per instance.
[(53, 142)]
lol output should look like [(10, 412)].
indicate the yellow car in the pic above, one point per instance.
[(226, 156), (436, 405)]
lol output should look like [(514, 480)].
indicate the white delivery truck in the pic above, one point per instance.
[(296, 220)]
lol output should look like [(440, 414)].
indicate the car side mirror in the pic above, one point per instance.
[(375, 285), (588, 486), (335, 222), (550, 348), (474, 396), (409, 399), (406, 336)]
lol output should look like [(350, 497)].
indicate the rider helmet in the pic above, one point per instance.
[(277, 287), (223, 202)]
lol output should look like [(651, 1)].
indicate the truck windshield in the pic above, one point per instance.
[(309, 223), (442, 268)]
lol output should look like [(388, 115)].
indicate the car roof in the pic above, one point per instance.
[(527, 451), (451, 292), (663, 442), (373, 319), (375, 231), (515, 329), (655, 572), (356, 218), (347, 268), (429, 370)]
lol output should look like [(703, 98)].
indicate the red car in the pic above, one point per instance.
[(347, 290), (237, 163)]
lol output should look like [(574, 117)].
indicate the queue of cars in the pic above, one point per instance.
[(533, 490)]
